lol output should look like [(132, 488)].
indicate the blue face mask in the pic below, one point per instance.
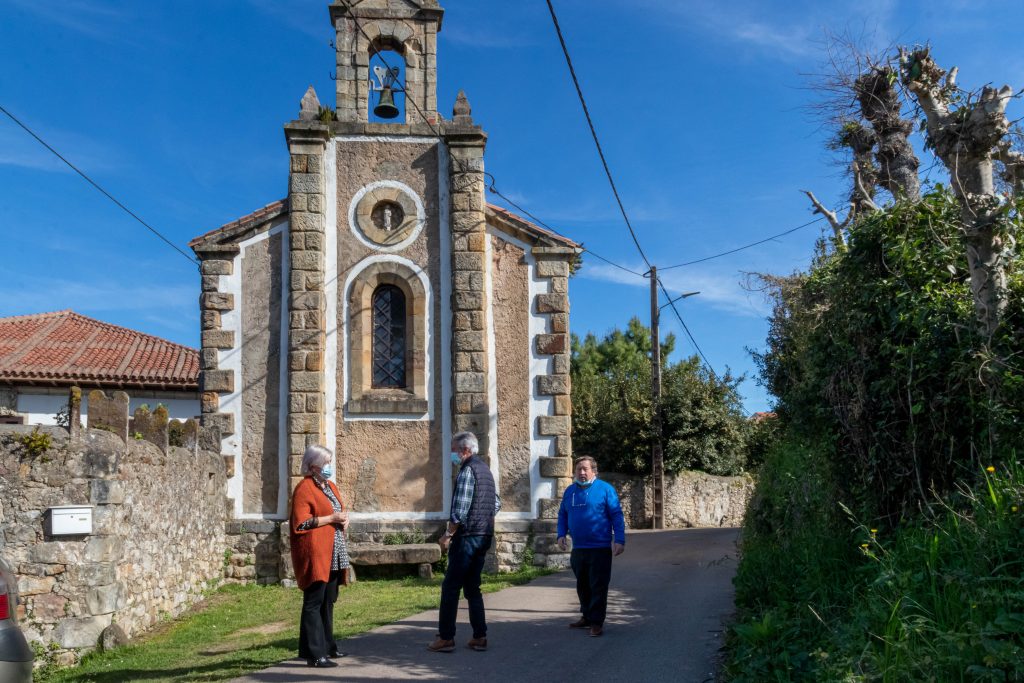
[(456, 459), (327, 471), (583, 482)]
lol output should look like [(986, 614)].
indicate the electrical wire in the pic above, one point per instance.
[(593, 133), (493, 189), (493, 181), (746, 246), (97, 186)]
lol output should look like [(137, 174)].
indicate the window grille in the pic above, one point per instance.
[(388, 337)]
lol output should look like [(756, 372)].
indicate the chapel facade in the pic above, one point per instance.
[(384, 305)]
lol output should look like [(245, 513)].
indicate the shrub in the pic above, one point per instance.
[(876, 347)]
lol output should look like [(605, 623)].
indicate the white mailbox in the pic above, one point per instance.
[(70, 520)]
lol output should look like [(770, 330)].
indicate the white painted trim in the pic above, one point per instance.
[(353, 225), (388, 138), (331, 227), (540, 487), (492, 364), (428, 321), (231, 359), (445, 234)]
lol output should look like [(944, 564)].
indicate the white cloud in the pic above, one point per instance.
[(721, 290), (92, 18), (19, 149), (153, 301)]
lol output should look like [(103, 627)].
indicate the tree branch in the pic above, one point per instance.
[(830, 216)]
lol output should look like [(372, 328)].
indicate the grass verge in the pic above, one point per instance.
[(822, 597), (240, 629)]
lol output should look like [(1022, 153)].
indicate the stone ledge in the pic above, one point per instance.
[(409, 553), (390, 406)]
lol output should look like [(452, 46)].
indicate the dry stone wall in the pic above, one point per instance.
[(692, 499), (157, 539)]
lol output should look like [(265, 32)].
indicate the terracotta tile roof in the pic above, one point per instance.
[(532, 227), (268, 212), (65, 348)]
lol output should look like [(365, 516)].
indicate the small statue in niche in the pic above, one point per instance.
[(387, 216)]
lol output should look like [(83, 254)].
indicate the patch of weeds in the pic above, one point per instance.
[(36, 443), (405, 537)]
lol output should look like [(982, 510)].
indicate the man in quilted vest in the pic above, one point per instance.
[(466, 539)]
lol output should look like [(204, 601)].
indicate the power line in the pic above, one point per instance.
[(746, 246), (593, 133), (494, 189), (96, 185), (493, 181), (611, 181)]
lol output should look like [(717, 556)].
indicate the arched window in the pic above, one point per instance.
[(388, 337)]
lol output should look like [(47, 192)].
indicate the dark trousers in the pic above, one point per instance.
[(593, 570), (465, 564), (316, 627)]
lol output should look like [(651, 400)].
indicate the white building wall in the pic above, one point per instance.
[(41, 408)]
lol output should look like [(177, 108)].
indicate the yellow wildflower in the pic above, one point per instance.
[(874, 531), (990, 469)]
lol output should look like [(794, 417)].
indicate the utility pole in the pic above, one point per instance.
[(657, 458)]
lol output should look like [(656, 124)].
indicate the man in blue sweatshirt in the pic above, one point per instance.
[(591, 514)]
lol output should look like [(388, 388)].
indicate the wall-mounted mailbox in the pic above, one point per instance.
[(70, 520)]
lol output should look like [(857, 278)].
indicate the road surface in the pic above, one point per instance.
[(670, 592)]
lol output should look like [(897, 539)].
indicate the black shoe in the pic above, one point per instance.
[(322, 663)]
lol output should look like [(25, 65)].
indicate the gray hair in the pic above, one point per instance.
[(315, 456), (466, 440)]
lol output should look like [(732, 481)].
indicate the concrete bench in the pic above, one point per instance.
[(421, 554)]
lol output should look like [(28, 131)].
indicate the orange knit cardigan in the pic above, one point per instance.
[(312, 548)]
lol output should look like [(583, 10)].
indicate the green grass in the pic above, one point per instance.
[(240, 629), (938, 596)]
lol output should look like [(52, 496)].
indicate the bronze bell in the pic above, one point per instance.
[(386, 108)]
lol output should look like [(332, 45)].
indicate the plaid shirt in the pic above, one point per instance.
[(465, 486)]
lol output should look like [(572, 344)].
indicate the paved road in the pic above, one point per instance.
[(670, 592)]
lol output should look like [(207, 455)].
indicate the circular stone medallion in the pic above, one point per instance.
[(387, 214)]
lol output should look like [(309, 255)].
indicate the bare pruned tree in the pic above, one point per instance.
[(970, 133), (863, 104)]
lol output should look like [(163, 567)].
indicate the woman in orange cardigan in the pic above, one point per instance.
[(319, 555)]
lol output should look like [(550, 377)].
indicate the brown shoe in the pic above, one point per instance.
[(581, 623), (596, 631), (442, 645), (478, 644)]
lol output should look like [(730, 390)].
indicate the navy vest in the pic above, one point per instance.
[(480, 520)]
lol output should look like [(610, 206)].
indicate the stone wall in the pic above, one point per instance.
[(157, 541), (692, 499)]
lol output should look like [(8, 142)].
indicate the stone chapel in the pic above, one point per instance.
[(385, 305)]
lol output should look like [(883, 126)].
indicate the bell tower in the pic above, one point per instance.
[(404, 30)]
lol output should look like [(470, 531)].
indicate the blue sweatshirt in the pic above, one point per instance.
[(590, 515)]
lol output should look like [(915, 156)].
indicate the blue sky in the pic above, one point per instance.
[(176, 109)]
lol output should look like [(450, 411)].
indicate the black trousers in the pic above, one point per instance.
[(316, 626), (593, 570)]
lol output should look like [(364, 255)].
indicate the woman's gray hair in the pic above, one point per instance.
[(466, 440), (315, 456)]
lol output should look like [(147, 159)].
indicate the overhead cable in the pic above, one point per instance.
[(97, 186)]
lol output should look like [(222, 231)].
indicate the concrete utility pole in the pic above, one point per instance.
[(657, 458)]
